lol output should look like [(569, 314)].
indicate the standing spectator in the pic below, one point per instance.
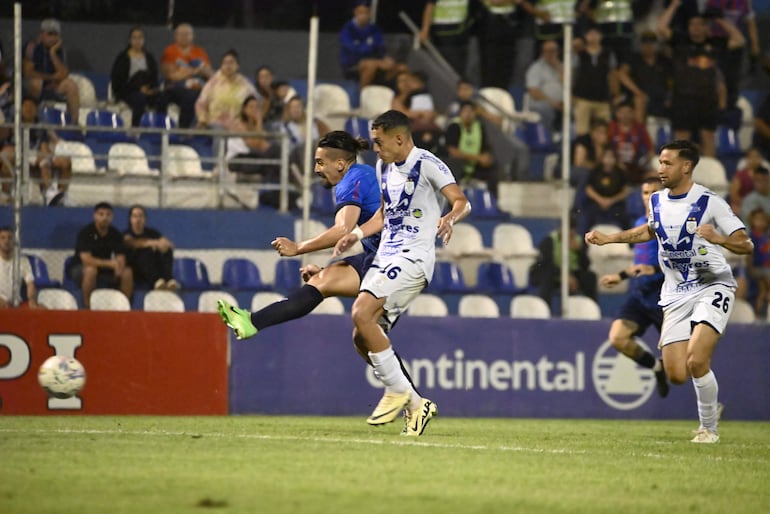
[(134, 77), (6, 272), (758, 264), (595, 82), (185, 68), (447, 24), (743, 181), (470, 157), (605, 194), (100, 257), (647, 77), (219, 103), (46, 75), (252, 147), (741, 14), (762, 127), (545, 85), (150, 255), (616, 21), (632, 142), (760, 197), (362, 49)]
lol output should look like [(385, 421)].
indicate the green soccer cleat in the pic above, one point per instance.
[(415, 422), (237, 319), (390, 406)]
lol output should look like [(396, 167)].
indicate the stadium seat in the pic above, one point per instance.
[(129, 159), (67, 282), (527, 306), (40, 272), (207, 301), (727, 142), (500, 98), (263, 299), (332, 103), (109, 300), (466, 240), (538, 137), (80, 154), (287, 275), (711, 173), (323, 200), (742, 312), (154, 120), (477, 306), (746, 132), (191, 273), (428, 305), (240, 274), (162, 301), (107, 120), (483, 204), (184, 162), (375, 100), (447, 278), (495, 278), (582, 307), (331, 305), (57, 299), (512, 239)]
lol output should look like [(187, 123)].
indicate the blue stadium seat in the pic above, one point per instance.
[(105, 119), (727, 142), (53, 116), (323, 199), (40, 272), (191, 273), (447, 278), (483, 204), (496, 278), (67, 282), (241, 274), (287, 276), (157, 120), (537, 137)]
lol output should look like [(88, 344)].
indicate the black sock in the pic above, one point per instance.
[(646, 359), (297, 304), (406, 373)]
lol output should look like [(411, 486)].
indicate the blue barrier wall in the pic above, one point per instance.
[(487, 367)]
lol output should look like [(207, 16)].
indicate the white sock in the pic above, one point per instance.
[(388, 369), (707, 390)]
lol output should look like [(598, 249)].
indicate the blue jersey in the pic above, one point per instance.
[(647, 287), (361, 188)]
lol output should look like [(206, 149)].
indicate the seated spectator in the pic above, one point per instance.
[(100, 257), (470, 158), (758, 264), (239, 149), (464, 92), (603, 198), (545, 86), (293, 125), (134, 77), (45, 165), (219, 103), (362, 49), (46, 75), (413, 99), (149, 254), (743, 182), (185, 68), (6, 273), (545, 273), (272, 103), (587, 151), (632, 142), (760, 197)]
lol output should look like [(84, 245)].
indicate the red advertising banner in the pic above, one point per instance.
[(136, 362)]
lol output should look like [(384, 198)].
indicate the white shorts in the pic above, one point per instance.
[(711, 305), (399, 280)]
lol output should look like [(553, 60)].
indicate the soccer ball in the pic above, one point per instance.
[(62, 376)]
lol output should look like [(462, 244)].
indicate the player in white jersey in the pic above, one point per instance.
[(415, 187), (691, 223)]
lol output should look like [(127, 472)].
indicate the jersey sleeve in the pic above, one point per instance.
[(724, 217), (348, 192), (438, 173)]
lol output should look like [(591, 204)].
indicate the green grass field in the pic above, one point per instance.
[(272, 464)]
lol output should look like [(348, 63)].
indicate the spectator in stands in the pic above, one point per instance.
[(545, 85), (470, 157), (149, 254), (362, 49), (762, 126), (219, 103), (632, 143), (52, 171), (252, 147), (447, 24), (646, 76), (100, 257), (134, 77), (46, 75), (272, 103), (466, 92), (604, 195), (6, 97), (587, 151), (595, 81), (545, 273), (185, 68), (743, 182), (758, 264), (293, 125), (413, 99), (616, 21), (6, 273), (760, 197)]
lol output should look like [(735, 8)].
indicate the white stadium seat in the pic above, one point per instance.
[(57, 299), (478, 306), (184, 162), (207, 301), (428, 305), (527, 306), (375, 100), (742, 312), (129, 159), (263, 299), (81, 155), (582, 307), (331, 305), (109, 300), (332, 105), (163, 301)]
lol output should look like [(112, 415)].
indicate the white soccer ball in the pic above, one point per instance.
[(62, 376)]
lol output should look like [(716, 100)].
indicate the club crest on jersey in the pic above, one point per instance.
[(409, 187), (691, 225)]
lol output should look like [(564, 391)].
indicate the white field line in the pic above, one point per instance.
[(404, 441)]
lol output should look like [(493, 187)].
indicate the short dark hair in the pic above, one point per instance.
[(136, 206), (6, 228), (102, 205), (652, 180), (232, 52), (341, 140), (687, 150), (466, 103), (391, 119), (761, 170)]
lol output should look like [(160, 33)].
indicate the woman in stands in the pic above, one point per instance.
[(240, 149), (134, 77), (219, 103)]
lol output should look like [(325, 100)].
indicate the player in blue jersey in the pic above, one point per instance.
[(357, 192), (641, 309), (692, 225), (416, 186)]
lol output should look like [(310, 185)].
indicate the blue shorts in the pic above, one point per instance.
[(644, 315), (360, 262)]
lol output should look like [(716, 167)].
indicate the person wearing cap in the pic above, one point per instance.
[(646, 77), (45, 71)]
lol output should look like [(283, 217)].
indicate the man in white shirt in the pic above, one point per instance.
[(691, 223), (6, 272)]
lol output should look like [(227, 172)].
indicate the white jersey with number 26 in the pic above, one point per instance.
[(689, 262)]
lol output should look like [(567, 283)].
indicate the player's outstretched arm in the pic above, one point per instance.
[(738, 242), (344, 222), (461, 207), (634, 235), (371, 227)]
